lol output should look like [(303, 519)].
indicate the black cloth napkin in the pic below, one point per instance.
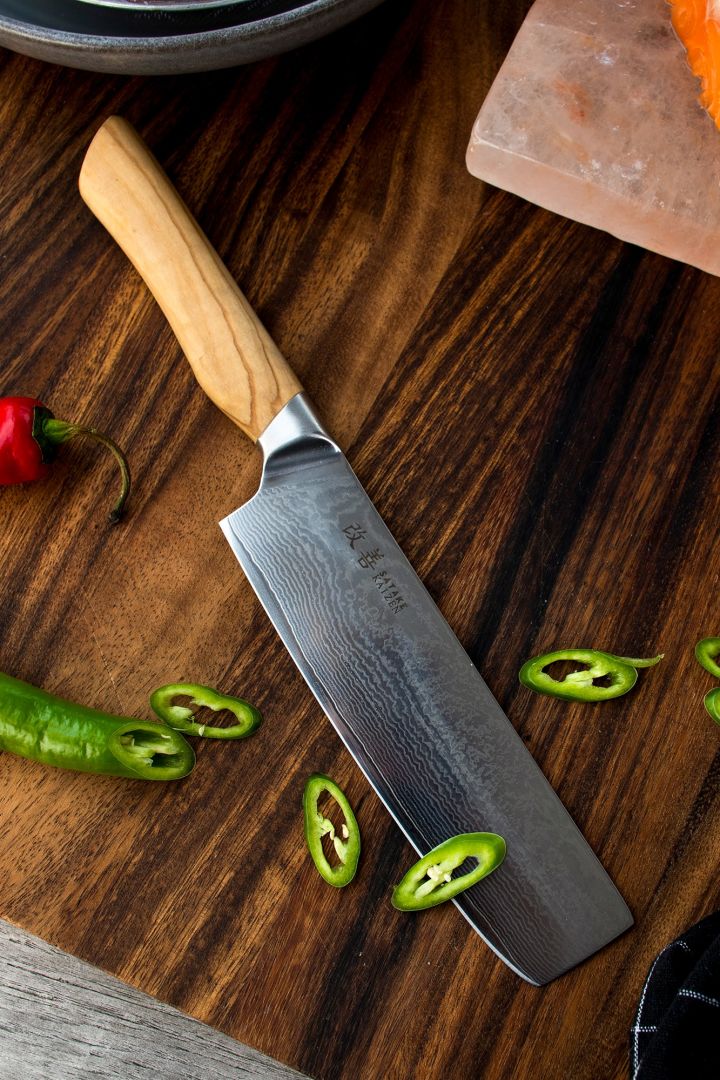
[(676, 1034)]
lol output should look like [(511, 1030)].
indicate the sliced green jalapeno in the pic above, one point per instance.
[(347, 844), (39, 726), (712, 703), (705, 653), (430, 881), (182, 717), (621, 671)]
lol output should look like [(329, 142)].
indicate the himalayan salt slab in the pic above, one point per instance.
[(595, 115)]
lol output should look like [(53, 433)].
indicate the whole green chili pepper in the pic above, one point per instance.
[(705, 653), (39, 726), (430, 882), (712, 703), (580, 685), (181, 717), (347, 844)]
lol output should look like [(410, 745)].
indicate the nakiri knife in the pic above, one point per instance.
[(374, 649)]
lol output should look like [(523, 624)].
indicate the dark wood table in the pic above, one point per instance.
[(534, 408)]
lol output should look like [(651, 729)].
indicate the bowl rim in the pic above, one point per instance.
[(183, 54), (22, 30), (152, 6)]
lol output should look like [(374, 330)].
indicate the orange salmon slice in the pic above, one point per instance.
[(697, 24)]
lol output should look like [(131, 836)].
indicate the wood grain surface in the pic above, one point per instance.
[(534, 408), (62, 1019)]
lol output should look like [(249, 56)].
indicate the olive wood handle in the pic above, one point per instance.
[(234, 358)]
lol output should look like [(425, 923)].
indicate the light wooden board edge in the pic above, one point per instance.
[(63, 1019)]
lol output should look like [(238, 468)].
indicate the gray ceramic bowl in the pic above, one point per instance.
[(100, 38)]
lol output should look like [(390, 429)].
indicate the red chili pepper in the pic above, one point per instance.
[(30, 436)]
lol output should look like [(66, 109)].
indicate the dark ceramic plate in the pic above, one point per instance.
[(140, 41)]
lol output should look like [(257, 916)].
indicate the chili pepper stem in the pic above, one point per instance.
[(60, 431)]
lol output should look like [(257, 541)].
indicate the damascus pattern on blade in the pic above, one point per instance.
[(414, 711)]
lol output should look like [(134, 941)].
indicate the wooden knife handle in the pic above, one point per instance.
[(234, 358)]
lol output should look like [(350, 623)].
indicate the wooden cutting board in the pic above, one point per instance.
[(534, 408)]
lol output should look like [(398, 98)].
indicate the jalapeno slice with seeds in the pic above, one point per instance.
[(705, 653), (346, 845), (182, 717), (712, 704), (430, 882), (620, 671)]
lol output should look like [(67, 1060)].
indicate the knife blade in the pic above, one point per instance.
[(373, 647)]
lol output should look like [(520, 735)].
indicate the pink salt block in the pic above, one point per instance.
[(595, 115)]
